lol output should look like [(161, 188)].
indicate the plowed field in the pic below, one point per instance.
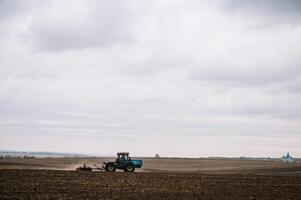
[(60, 184)]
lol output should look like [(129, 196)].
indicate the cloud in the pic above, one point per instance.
[(289, 7), (267, 12), (75, 24), (11, 8)]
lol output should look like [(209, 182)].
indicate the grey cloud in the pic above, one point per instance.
[(253, 77), (9, 8), (267, 12), (97, 24), (12, 8), (261, 105), (292, 85), (267, 6)]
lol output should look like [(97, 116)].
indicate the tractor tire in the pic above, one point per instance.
[(129, 168), (110, 168)]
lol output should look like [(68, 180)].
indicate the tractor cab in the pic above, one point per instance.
[(122, 158)]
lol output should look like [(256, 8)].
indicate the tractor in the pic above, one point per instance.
[(123, 162)]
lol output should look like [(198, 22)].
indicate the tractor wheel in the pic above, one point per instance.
[(129, 168), (110, 168)]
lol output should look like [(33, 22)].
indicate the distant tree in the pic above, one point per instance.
[(28, 157)]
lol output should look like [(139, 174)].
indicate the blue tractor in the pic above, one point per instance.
[(123, 162)]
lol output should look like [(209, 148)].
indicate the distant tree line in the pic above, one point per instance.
[(16, 157)]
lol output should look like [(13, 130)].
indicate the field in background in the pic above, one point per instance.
[(183, 165)]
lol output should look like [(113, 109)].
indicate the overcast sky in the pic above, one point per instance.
[(176, 77)]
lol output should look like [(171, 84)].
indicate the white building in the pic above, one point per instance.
[(287, 158)]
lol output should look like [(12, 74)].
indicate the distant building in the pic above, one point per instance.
[(157, 156), (287, 158)]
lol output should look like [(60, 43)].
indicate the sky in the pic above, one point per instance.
[(183, 78)]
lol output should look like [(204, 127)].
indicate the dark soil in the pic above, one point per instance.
[(56, 184)]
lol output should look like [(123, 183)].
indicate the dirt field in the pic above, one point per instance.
[(52, 184), (158, 179)]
